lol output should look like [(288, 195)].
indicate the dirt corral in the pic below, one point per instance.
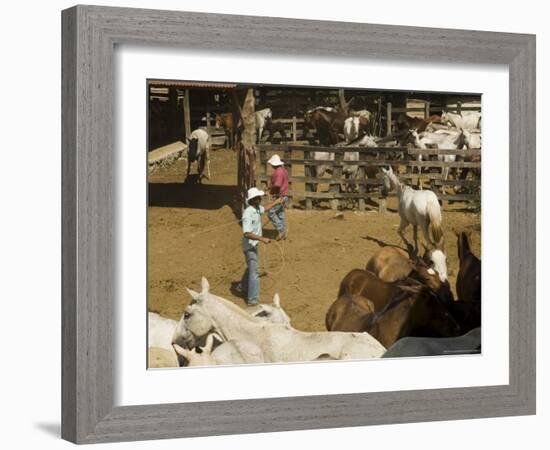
[(193, 231)]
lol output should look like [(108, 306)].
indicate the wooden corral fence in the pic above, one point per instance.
[(423, 174)]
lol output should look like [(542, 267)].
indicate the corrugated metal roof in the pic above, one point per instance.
[(196, 84)]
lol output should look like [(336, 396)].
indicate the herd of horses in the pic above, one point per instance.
[(399, 304), (398, 299)]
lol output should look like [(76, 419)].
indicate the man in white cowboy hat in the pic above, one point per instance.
[(252, 236), (278, 187)]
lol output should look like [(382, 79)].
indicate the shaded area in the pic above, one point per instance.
[(196, 196)]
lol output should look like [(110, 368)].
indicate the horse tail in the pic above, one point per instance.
[(434, 216)]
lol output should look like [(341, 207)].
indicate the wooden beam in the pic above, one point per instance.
[(186, 115)]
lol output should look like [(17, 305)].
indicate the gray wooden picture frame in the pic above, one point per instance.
[(89, 35)]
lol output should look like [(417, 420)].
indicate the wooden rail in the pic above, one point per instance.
[(367, 188)]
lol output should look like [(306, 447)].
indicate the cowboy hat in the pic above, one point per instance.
[(253, 193), (275, 161)]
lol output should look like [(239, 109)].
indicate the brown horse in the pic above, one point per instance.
[(329, 122), (349, 313), (406, 122), (392, 264), (368, 285), (415, 312), (225, 121), (468, 281)]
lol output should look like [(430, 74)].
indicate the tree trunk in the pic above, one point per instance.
[(246, 146)]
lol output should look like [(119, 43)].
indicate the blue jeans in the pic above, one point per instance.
[(250, 282), (277, 216)]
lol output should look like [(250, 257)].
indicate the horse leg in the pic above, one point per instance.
[(415, 238), (260, 132), (207, 158), (426, 234), (400, 231)]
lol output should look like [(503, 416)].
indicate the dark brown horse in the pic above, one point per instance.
[(413, 310), (275, 127), (468, 281)]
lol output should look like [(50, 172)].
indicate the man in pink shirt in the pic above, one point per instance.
[(278, 187)]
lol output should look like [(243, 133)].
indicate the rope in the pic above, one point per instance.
[(215, 227), (264, 251)]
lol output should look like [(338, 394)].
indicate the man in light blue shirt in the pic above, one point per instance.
[(252, 236)]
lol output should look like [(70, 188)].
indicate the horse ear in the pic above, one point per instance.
[(209, 343), (390, 170), (276, 301), (205, 286), (194, 294), (182, 351)]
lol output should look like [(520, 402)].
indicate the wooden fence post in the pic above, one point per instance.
[(336, 179), (426, 110), (388, 119), (186, 114), (294, 129), (459, 107), (307, 173), (288, 165), (361, 176)]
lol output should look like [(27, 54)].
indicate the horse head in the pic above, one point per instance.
[(428, 276), (189, 331), (437, 260), (389, 180), (432, 309)]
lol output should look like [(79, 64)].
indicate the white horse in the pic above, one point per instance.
[(279, 343), (199, 150), (470, 120), (260, 117), (418, 208), (472, 139), (443, 140), (227, 353)]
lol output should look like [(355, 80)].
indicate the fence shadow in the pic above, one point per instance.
[(197, 196)]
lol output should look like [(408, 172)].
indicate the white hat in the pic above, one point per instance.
[(254, 192), (275, 161)]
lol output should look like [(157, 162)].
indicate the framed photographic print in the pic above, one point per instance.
[(252, 218)]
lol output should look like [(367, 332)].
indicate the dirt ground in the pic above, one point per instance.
[(193, 231)]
